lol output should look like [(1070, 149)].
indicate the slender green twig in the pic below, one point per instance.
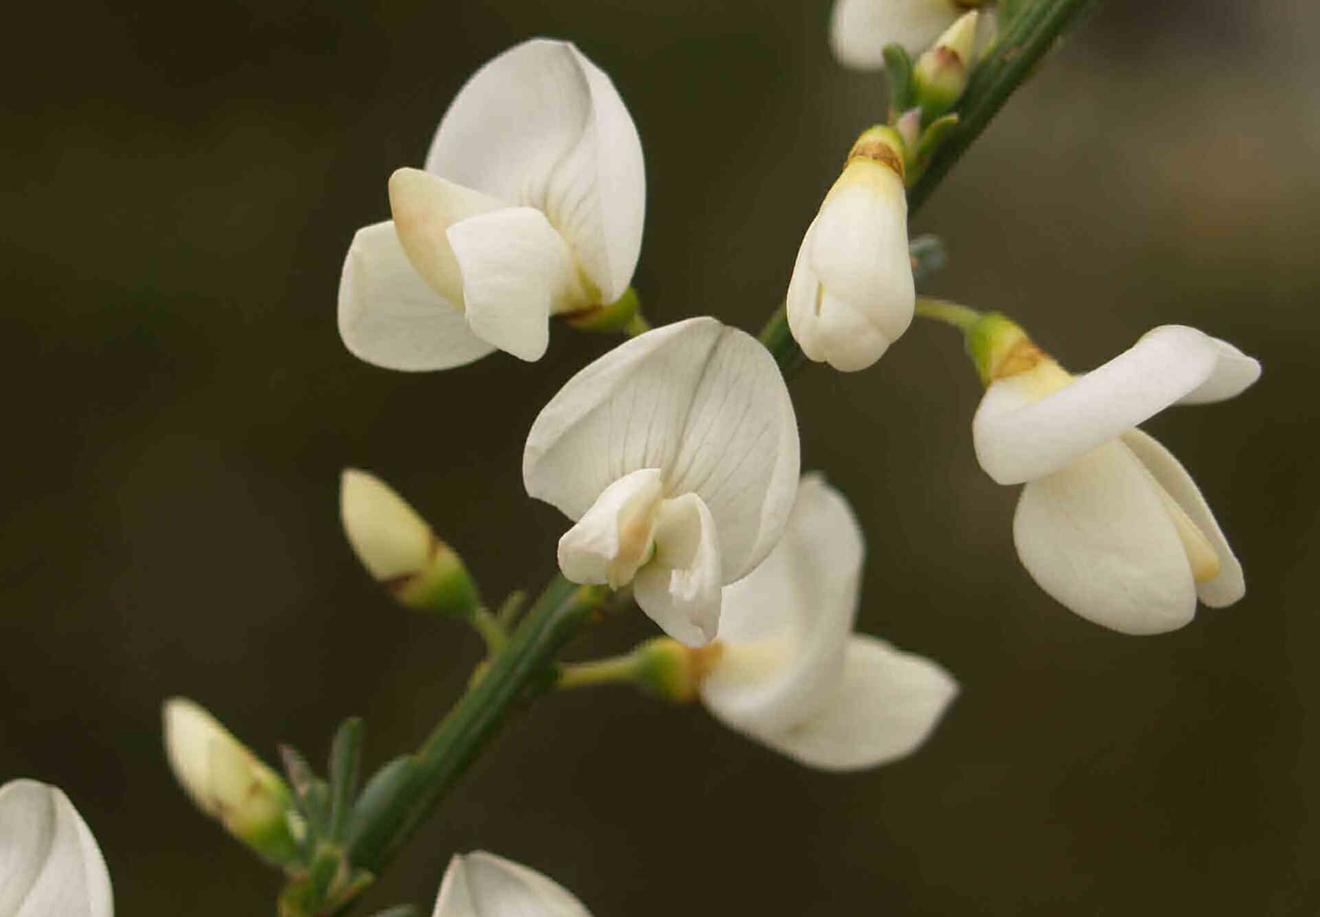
[(950, 313), (614, 670), (491, 629)]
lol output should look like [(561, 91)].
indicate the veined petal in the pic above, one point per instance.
[(680, 587), (517, 271), (1097, 537), (1229, 585), (784, 626), (481, 884), (885, 705), (543, 126), (49, 861), (616, 536), (860, 29), (703, 403), (852, 292), (1233, 374), (1019, 437), (390, 317)]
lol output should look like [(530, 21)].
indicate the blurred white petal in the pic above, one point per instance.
[(481, 884), (615, 537), (1021, 438), (885, 705), (1097, 537), (784, 626), (680, 587), (703, 403), (860, 29), (390, 317), (516, 272), (543, 126), (50, 865), (1229, 585), (1233, 374)]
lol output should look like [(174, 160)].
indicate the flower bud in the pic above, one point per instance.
[(852, 292), (667, 669), (399, 549), (941, 73), (228, 782)]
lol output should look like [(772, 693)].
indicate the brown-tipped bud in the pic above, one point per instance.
[(941, 73), (399, 549), (880, 144)]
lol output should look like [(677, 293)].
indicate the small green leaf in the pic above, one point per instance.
[(387, 789), (345, 769), (898, 66)]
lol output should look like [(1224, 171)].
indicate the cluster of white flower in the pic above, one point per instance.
[(676, 454)]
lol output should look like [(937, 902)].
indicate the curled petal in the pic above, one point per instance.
[(885, 705), (703, 403), (1233, 374), (481, 884), (1097, 537), (1019, 437), (852, 292), (390, 317), (542, 126), (860, 29), (424, 208), (1229, 585), (516, 272), (784, 626), (616, 536), (49, 861), (680, 587)]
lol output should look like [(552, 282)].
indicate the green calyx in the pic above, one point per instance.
[(995, 343), (622, 315), (443, 586)]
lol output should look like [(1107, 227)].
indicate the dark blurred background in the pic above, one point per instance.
[(183, 182)]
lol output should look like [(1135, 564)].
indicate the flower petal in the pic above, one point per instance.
[(1019, 437), (1233, 374), (424, 207), (543, 126), (481, 884), (785, 625), (703, 403), (516, 272), (884, 707), (1097, 537), (390, 317), (616, 536), (680, 587), (49, 861), (860, 29), (1229, 585), (852, 292)]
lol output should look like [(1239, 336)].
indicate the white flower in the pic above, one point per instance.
[(481, 884), (227, 781), (1109, 523), (852, 293), (49, 862), (677, 455), (860, 29), (788, 670), (531, 204)]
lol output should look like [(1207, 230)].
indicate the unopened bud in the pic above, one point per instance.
[(941, 73), (669, 670), (399, 549), (228, 782)]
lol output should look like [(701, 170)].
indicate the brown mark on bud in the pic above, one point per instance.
[(1021, 357), (877, 150)]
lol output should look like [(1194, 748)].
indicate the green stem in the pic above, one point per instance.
[(1021, 45), (637, 325), (524, 668), (614, 670), (950, 313), (491, 629)]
